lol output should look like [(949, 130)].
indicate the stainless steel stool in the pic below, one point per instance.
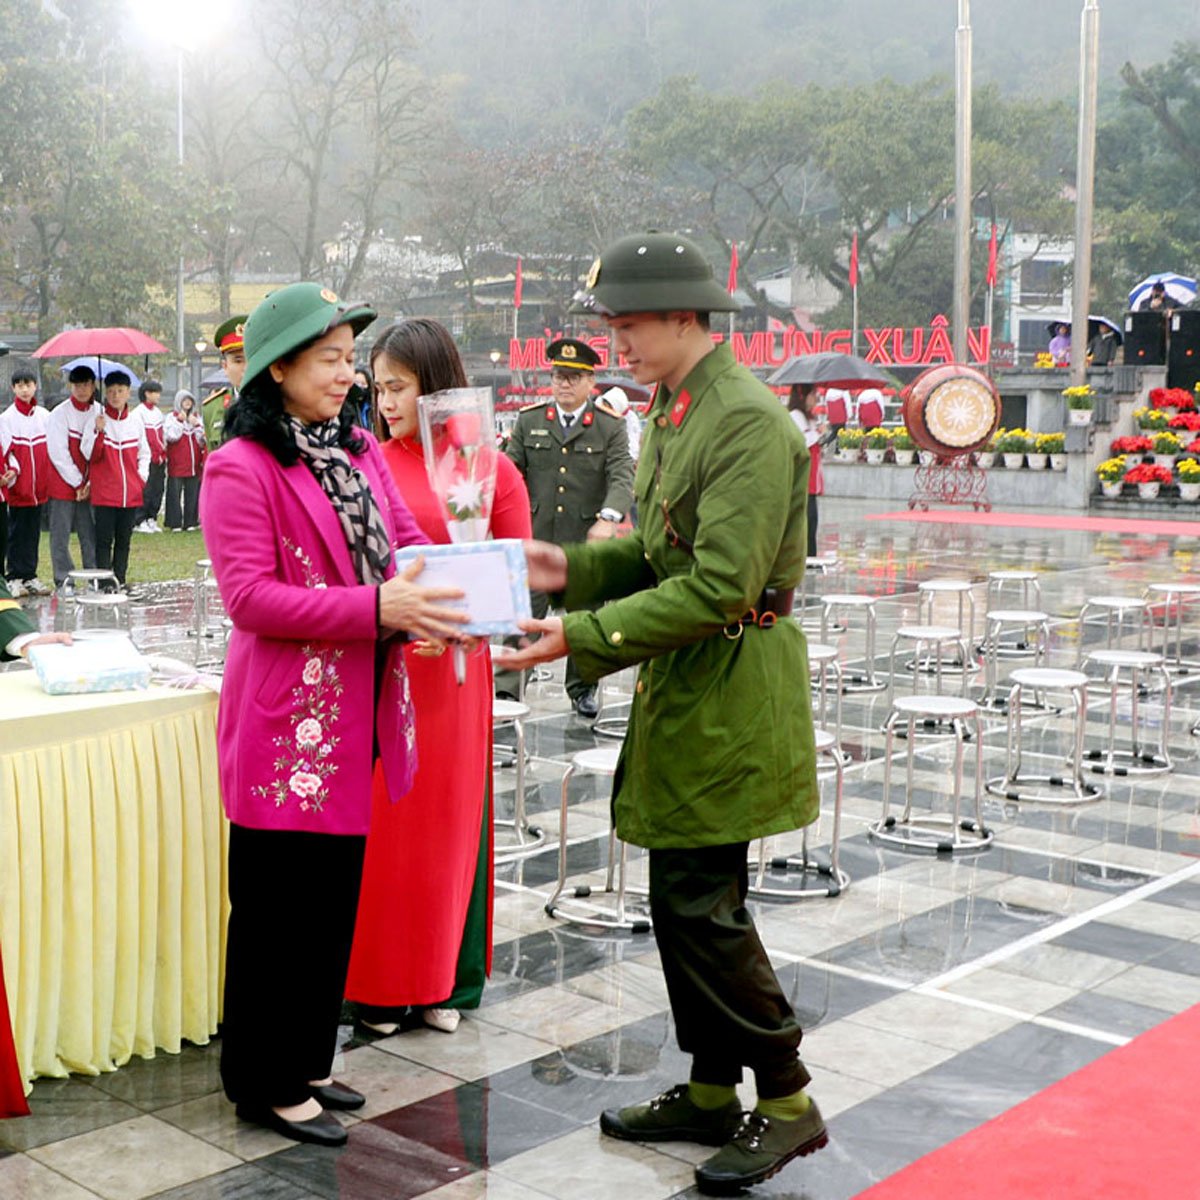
[(611, 725), (822, 662), (600, 761), (1174, 594), (943, 833), (99, 610), (205, 625), (1140, 759), (932, 639), (1019, 621), (1116, 610), (524, 837), (962, 589), (820, 567), (853, 602), (89, 579), (836, 879), (1027, 582), (1057, 788)]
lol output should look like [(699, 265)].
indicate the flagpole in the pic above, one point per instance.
[(1085, 182), (854, 319), (962, 181)]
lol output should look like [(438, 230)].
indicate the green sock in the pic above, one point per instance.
[(784, 1108), (710, 1095)]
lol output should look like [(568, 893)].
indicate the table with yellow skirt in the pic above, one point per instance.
[(113, 897)]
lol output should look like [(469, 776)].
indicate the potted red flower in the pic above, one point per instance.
[(1185, 420), (1149, 478), (1136, 444)]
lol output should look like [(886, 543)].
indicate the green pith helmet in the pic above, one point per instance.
[(292, 316), (652, 272)]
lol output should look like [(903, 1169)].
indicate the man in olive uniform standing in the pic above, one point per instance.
[(227, 339), (574, 454), (720, 743)]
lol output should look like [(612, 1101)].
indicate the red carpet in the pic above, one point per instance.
[(1122, 1128), (1036, 520)]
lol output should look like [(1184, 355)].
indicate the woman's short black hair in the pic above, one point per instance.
[(258, 414)]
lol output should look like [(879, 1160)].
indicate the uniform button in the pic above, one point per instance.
[(562, 470), (559, 508), (564, 449), (641, 687), (561, 490), (616, 637), (661, 422), (646, 555)]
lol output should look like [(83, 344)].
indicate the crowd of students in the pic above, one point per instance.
[(95, 466)]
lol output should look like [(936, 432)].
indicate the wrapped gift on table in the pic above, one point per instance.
[(110, 663), (491, 576)]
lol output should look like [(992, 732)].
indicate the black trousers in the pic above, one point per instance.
[(4, 540), (293, 899), (24, 530), (114, 531), (185, 514), (152, 494), (539, 604), (812, 525), (728, 1006)]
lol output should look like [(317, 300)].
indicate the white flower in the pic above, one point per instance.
[(466, 495), (304, 785), (308, 732), (325, 750), (312, 671)]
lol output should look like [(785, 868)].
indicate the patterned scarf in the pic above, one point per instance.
[(348, 492)]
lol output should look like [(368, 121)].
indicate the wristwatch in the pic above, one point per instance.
[(609, 514)]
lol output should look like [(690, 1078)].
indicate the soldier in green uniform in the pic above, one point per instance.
[(574, 454), (227, 339), (17, 630), (720, 743)]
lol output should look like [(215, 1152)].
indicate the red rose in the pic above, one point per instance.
[(463, 430)]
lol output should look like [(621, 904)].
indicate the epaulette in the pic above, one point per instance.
[(535, 404), (214, 395), (601, 405)]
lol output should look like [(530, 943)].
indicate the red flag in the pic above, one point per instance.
[(517, 286), (854, 262), (991, 271), (731, 285)]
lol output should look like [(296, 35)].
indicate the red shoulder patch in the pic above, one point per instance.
[(679, 409), (587, 419), (551, 415)]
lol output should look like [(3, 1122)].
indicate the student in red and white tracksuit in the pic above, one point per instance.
[(116, 445), (23, 439), (184, 433), (150, 393), (70, 508)]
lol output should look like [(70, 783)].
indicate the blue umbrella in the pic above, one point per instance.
[(1181, 289), (101, 366)]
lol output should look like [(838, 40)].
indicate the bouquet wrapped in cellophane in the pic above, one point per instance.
[(458, 433)]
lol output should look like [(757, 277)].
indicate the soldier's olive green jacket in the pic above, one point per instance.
[(13, 619), (720, 741), (572, 476), (213, 412)]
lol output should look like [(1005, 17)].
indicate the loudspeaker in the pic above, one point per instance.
[(1183, 350), (1145, 339)]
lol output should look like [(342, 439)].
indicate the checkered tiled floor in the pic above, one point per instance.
[(934, 993)]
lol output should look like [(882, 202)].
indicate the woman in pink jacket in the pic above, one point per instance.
[(300, 517)]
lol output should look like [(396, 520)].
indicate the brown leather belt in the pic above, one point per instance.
[(772, 604)]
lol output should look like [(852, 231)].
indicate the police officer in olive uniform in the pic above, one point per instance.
[(720, 743), (574, 454), (17, 628), (227, 339)]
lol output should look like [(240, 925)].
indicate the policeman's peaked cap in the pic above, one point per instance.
[(652, 272)]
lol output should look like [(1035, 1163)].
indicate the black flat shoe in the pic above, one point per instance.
[(320, 1131), (337, 1095), (586, 706)]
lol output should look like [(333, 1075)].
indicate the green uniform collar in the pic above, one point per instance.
[(695, 383)]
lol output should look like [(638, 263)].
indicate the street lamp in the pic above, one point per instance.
[(495, 357), (200, 345)]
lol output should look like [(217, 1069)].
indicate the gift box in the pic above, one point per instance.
[(99, 664), (491, 576)]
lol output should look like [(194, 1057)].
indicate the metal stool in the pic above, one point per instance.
[(814, 567), (1116, 609), (89, 579), (600, 761), (204, 586), (836, 878), (499, 653), (943, 833), (854, 602), (525, 837), (928, 592), (1027, 581), (994, 646), (932, 638), (822, 661), (98, 610), (1175, 593), (1137, 760), (1014, 784), (611, 726)]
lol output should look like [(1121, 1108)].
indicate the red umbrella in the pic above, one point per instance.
[(120, 340)]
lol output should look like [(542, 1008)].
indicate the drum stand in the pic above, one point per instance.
[(950, 479)]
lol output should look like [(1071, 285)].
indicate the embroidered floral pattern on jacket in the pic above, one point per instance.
[(408, 720), (304, 766)]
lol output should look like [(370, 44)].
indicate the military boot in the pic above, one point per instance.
[(672, 1117), (760, 1148)]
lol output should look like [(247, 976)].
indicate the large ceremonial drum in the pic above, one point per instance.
[(951, 410)]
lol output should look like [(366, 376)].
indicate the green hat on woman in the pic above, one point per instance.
[(293, 316), (652, 272)]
